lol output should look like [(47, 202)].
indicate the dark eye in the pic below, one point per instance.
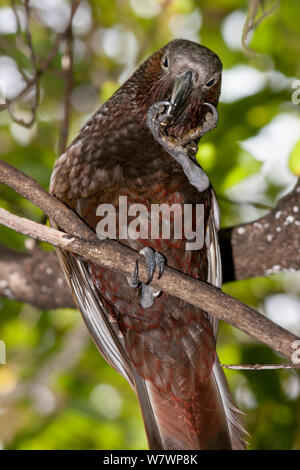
[(165, 62), (210, 83)]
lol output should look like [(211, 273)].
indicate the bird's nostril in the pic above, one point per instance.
[(187, 73)]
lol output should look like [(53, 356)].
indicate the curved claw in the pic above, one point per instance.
[(159, 104), (211, 124), (149, 255), (133, 280), (157, 109), (154, 260), (213, 109), (165, 119), (160, 262)]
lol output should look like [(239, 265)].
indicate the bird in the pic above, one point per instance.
[(141, 144)]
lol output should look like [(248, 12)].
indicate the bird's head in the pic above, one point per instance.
[(187, 75)]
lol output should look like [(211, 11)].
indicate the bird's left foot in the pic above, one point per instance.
[(160, 117), (154, 260), (209, 123)]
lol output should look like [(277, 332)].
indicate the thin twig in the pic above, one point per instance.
[(59, 38), (260, 366), (21, 45), (39, 70), (35, 78), (67, 65), (28, 35), (251, 23)]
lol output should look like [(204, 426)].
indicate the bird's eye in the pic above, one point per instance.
[(210, 83), (165, 62)]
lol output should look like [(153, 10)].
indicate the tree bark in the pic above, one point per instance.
[(34, 277), (266, 246)]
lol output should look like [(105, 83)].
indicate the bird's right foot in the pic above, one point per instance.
[(154, 260), (159, 118)]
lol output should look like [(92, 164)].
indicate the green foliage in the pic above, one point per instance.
[(85, 404)]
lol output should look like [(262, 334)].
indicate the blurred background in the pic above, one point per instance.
[(56, 390)]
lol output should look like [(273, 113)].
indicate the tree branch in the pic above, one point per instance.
[(267, 246), (34, 277), (113, 255), (52, 207), (242, 259)]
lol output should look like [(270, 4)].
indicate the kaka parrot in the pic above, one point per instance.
[(142, 144)]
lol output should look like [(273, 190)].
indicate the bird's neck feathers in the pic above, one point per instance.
[(146, 86)]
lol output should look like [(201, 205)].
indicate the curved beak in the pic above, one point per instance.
[(181, 90)]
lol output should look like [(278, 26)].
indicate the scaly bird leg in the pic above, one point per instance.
[(147, 294), (182, 149)]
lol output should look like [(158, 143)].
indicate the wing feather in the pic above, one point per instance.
[(236, 429), (106, 338), (95, 315)]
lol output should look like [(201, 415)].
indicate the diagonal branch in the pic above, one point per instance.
[(113, 255)]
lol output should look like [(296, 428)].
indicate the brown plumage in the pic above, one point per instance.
[(166, 351)]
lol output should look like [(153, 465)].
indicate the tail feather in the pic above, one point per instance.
[(151, 425), (236, 430), (206, 419)]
